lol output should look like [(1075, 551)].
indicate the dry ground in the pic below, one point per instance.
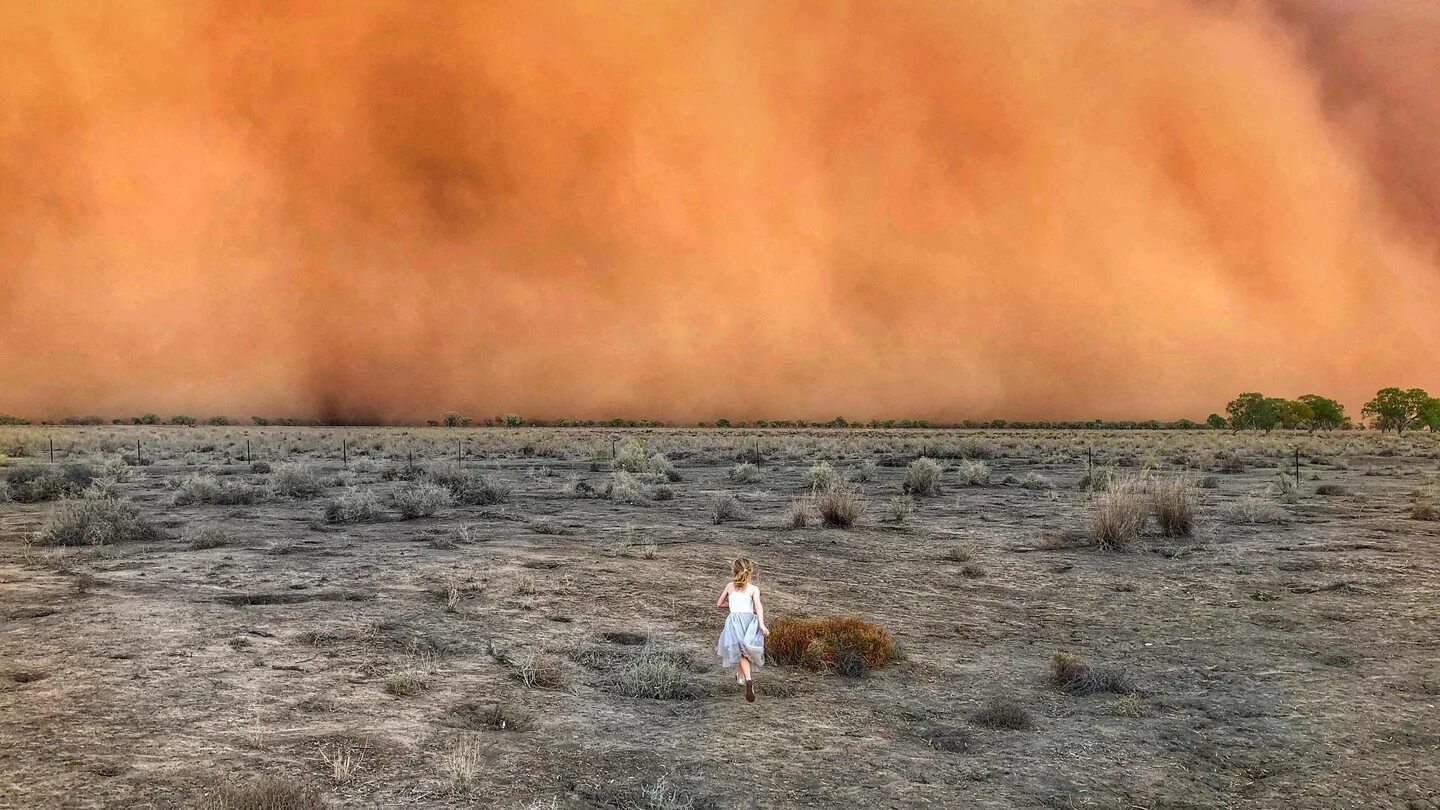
[(1273, 664)]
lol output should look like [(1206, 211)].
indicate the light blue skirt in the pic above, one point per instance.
[(741, 637)]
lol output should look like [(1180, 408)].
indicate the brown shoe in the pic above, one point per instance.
[(750, 691)]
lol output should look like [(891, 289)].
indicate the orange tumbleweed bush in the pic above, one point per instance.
[(814, 643)]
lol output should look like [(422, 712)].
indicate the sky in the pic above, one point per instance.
[(382, 210)]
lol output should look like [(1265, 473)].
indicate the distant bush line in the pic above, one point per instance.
[(1392, 409)]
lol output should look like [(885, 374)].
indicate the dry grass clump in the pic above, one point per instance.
[(1070, 674), (1119, 516), (469, 488), (1099, 479), (819, 644), (95, 522), (801, 509), (840, 506), (407, 682), (1427, 503), (461, 766), (744, 473), (973, 472), (1284, 488), (1175, 503), (541, 671), (420, 499), (723, 507), (202, 538), (656, 675), (822, 476), (900, 508), (356, 505), (260, 468), (1003, 714), (1252, 510), (922, 477), (1332, 490), (631, 457), (268, 793), (296, 481)]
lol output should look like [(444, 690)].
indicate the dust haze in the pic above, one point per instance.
[(685, 210)]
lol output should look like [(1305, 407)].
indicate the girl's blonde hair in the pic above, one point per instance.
[(741, 571)]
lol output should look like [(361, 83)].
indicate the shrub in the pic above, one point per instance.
[(268, 793), (406, 683), (1069, 673), (625, 488), (1001, 713), (723, 507), (1175, 504), (1427, 504), (200, 488), (420, 499), (1229, 461), (1331, 490), (469, 488), (188, 421), (1033, 480), (1118, 516), (207, 537), (744, 473), (656, 675), (815, 643), (922, 478), (840, 506), (663, 493), (355, 506), (1284, 488), (973, 472), (100, 521), (865, 472), (296, 481), (822, 476), (630, 456), (35, 484), (260, 467)]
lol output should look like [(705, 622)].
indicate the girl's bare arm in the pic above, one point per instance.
[(760, 612), (724, 595)]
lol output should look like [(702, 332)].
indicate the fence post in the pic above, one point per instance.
[(1297, 466), (52, 449), (345, 453), (139, 460), (249, 459)]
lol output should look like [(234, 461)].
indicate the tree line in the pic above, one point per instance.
[(1391, 409)]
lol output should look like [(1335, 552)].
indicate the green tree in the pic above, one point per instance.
[(1253, 411), (1325, 413), (453, 419), (1430, 414), (188, 421), (1216, 421), (1293, 413), (513, 420), (1394, 409)]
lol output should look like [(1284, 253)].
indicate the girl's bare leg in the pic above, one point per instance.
[(744, 667)]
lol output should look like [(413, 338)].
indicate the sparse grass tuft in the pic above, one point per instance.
[(1252, 510), (1118, 516), (900, 508), (268, 793), (469, 488), (840, 506), (1426, 505), (626, 488), (1175, 503), (1332, 490), (822, 476), (801, 510), (541, 671), (461, 766), (656, 675), (1099, 479)]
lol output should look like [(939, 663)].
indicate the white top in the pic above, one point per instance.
[(742, 601)]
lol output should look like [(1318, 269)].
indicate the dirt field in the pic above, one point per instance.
[(1283, 655)]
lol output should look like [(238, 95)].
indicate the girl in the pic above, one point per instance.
[(742, 641)]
